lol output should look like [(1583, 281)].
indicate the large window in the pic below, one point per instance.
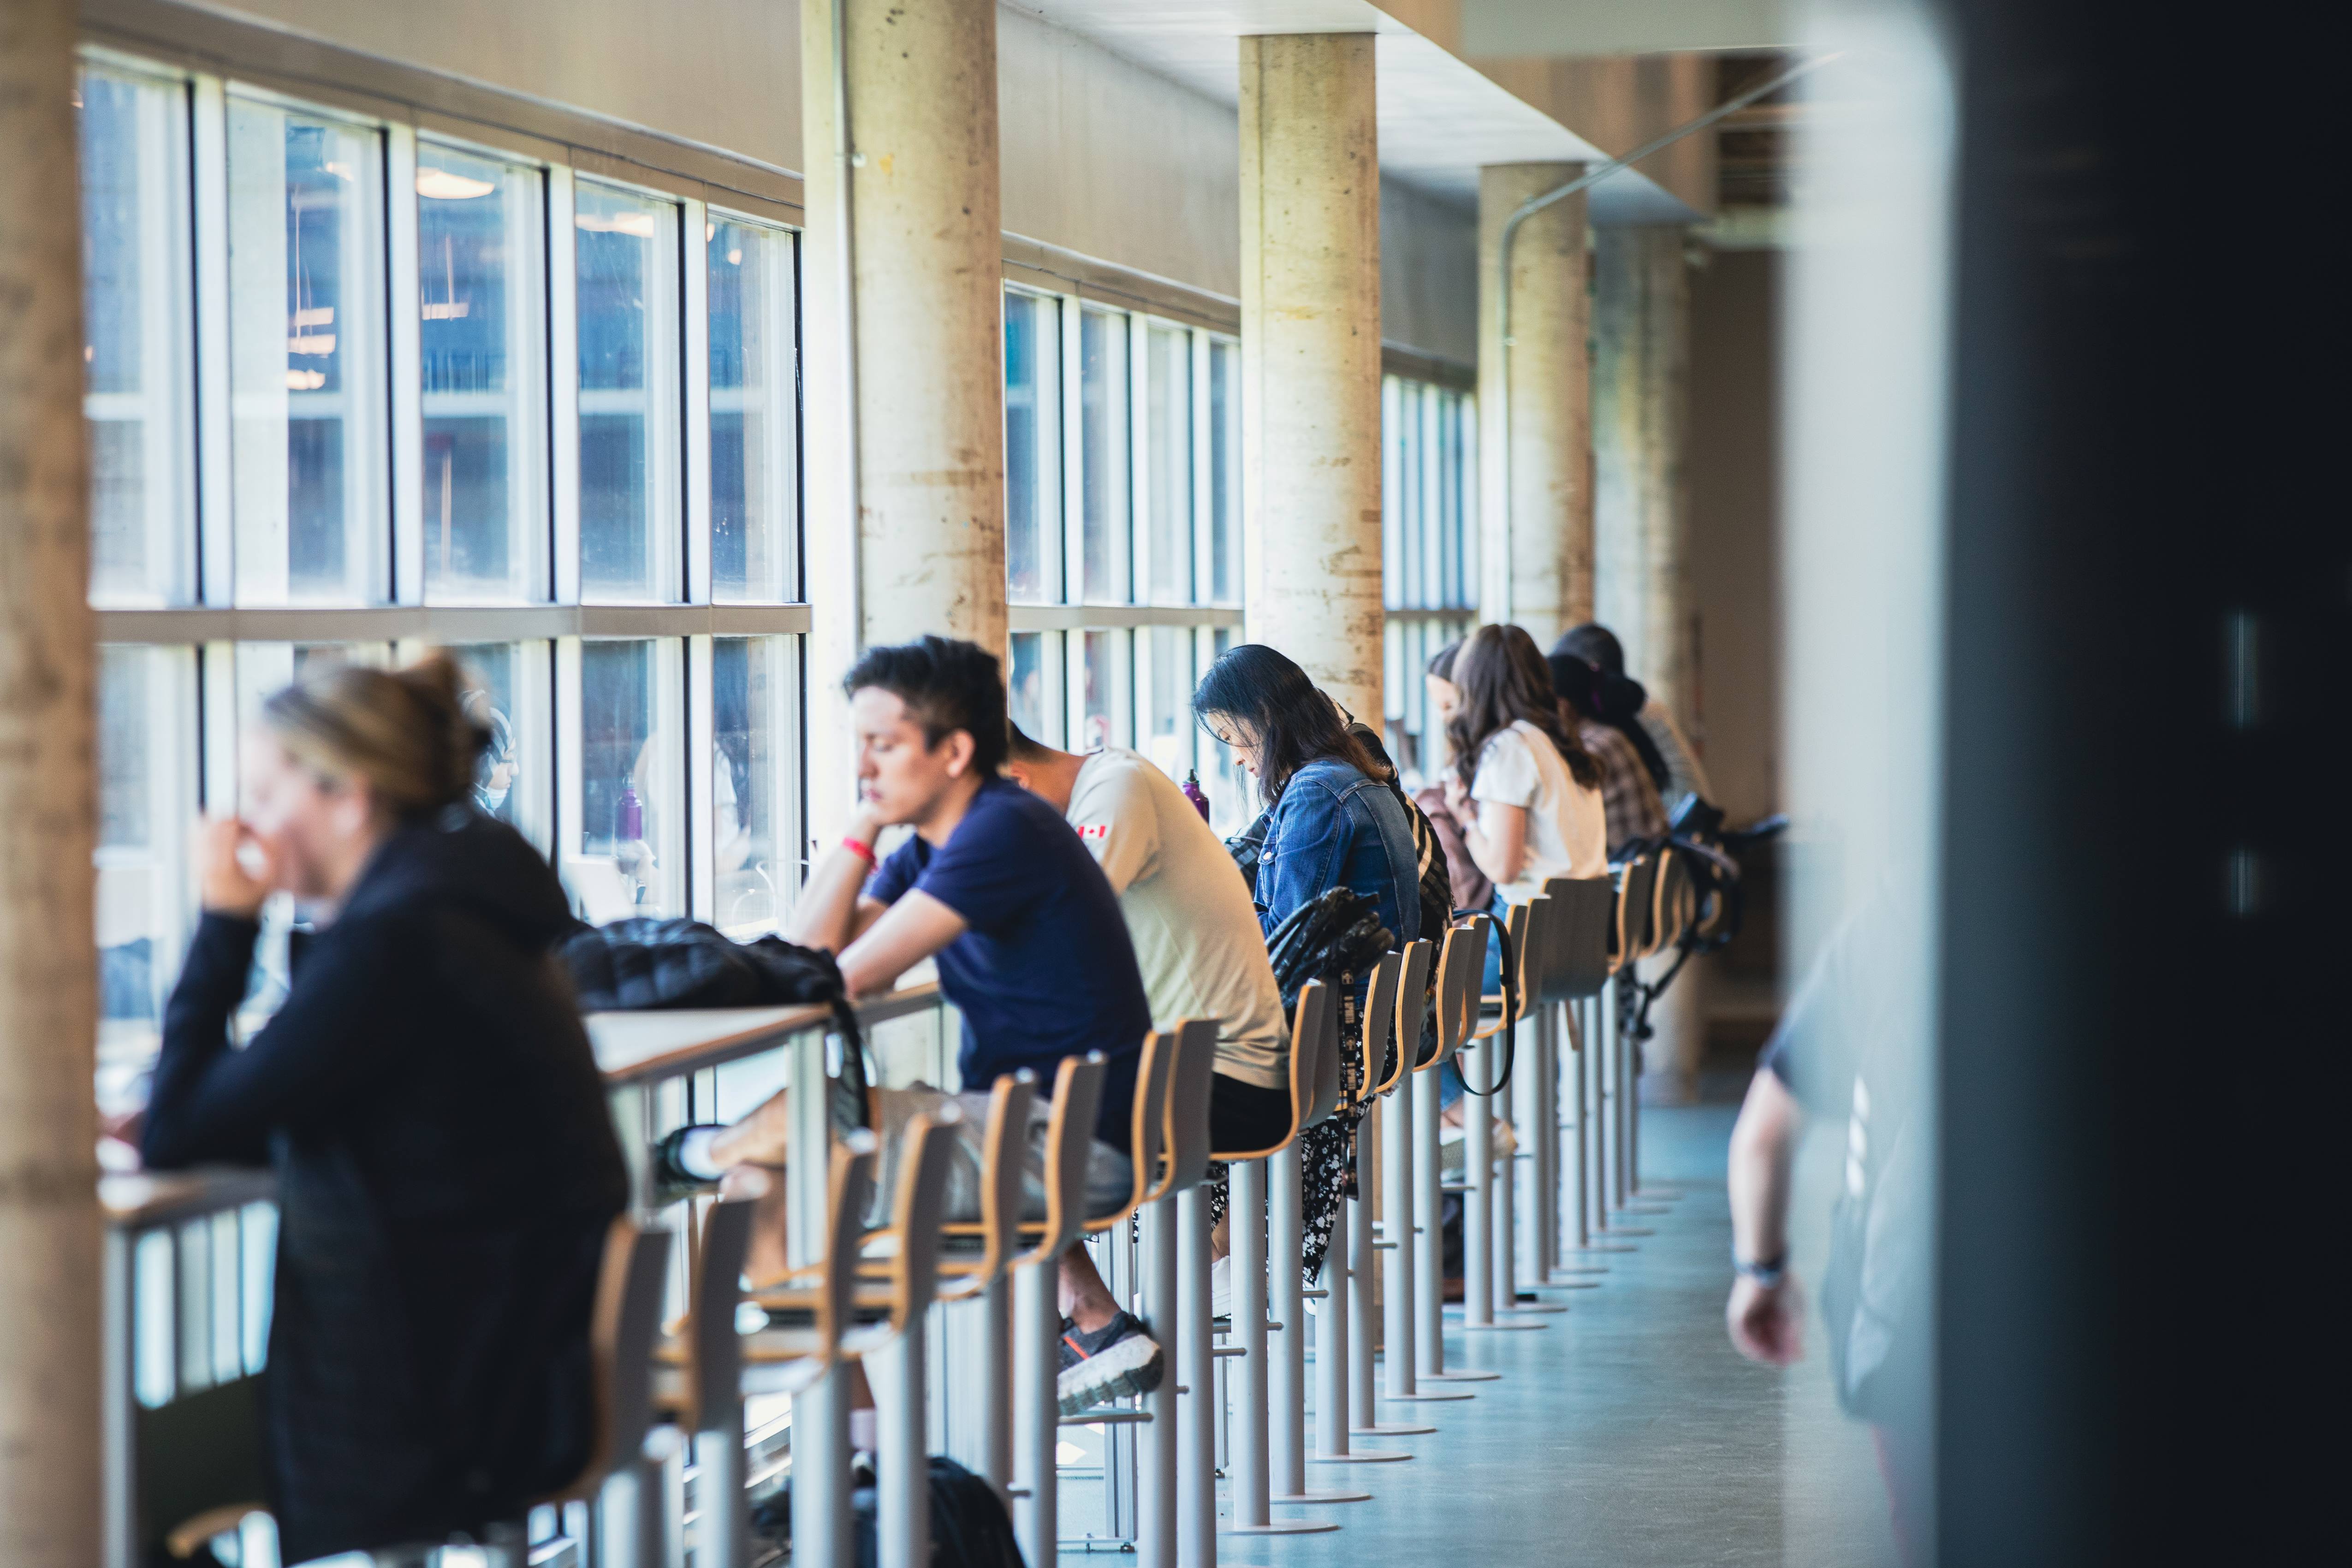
[(354, 392), (1429, 550), (1122, 534)]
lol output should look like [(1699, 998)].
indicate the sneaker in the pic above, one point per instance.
[(1116, 1359)]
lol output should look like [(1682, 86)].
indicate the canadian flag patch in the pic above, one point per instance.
[(1095, 830)]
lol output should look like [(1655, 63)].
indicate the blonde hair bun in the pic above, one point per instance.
[(407, 732)]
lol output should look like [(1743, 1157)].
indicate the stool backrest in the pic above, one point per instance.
[(1328, 1063), (1461, 965), (1003, 1151), (1185, 1146), (1675, 902), (1586, 907), (624, 1326), (1379, 1024), (848, 1193), (714, 1350), (1069, 1146), (1146, 1136), (1633, 889), (1517, 926), (919, 1207), (1411, 1012)]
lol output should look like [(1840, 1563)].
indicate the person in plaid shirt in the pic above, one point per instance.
[(1628, 798)]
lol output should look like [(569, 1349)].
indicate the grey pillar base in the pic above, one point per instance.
[(1390, 1429)]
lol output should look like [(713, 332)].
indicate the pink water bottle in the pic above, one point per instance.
[(1193, 793)]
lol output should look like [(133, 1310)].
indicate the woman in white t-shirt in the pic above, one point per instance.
[(1526, 793)]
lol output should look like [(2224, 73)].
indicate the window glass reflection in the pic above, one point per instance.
[(137, 341), (1164, 678), (1106, 714), (1168, 463), (1224, 437), (754, 815), (627, 257), (628, 850), (1103, 424), (1024, 687), (1032, 448), (481, 243), (146, 810), (507, 694), (754, 408), (307, 357)]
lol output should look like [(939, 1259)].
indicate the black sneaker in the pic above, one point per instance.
[(1116, 1359)]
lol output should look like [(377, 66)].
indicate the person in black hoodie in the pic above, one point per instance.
[(447, 1165)]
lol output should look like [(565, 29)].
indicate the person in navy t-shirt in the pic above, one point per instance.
[(1031, 945)]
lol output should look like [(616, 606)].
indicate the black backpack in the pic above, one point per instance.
[(643, 965)]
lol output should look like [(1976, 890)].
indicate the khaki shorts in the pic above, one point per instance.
[(1111, 1175)]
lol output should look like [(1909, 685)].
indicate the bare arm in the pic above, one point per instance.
[(1495, 835), (901, 936), (831, 914), (1765, 1321)]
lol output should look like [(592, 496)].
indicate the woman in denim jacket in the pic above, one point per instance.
[(1332, 820)]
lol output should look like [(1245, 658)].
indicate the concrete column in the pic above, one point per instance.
[(1312, 359), (49, 1306), (1535, 435), (1641, 393), (923, 323)]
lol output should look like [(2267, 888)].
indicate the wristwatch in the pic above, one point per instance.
[(1769, 1273)]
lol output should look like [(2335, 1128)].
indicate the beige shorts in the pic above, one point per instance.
[(1111, 1175)]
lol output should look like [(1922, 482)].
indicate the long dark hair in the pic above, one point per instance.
[(1503, 678), (1289, 720)]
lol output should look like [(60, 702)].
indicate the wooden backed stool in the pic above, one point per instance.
[(1343, 1327), (1038, 1307), (698, 1383), (810, 1311), (1673, 912), (1579, 970), (1189, 1051), (974, 1264), (1636, 888), (1400, 1237), (1461, 964), (1522, 1209), (1248, 1214), (1487, 1217)]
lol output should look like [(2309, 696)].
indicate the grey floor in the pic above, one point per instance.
[(1627, 1432)]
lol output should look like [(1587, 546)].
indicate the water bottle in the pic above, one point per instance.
[(1193, 793)]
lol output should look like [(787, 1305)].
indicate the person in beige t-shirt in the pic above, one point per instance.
[(1187, 913)]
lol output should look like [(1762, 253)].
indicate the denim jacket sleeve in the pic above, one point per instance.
[(1306, 846)]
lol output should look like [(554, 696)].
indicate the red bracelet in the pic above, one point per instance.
[(859, 847)]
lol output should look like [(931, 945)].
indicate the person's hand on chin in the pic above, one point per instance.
[(239, 869)]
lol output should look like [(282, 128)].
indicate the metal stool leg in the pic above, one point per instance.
[(1429, 1257), (1285, 1222), (821, 1519), (1253, 1489), (1396, 1316), (1196, 1461), (902, 1502), (1155, 1531), (996, 1385), (1036, 1364)]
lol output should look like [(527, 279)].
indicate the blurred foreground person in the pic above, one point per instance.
[(1841, 1052), (446, 1169)]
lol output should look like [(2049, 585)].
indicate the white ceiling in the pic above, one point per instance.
[(1440, 117)]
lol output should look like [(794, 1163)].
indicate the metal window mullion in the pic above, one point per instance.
[(1073, 391), (570, 803), (695, 225), (1144, 586), (563, 383), (406, 360), (216, 530), (1204, 547), (701, 783)]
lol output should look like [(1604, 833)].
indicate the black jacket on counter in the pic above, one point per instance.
[(447, 1172)]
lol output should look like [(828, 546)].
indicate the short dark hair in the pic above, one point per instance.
[(1024, 750), (947, 685), (1596, 645), (1289, 718), (1441, 663)]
